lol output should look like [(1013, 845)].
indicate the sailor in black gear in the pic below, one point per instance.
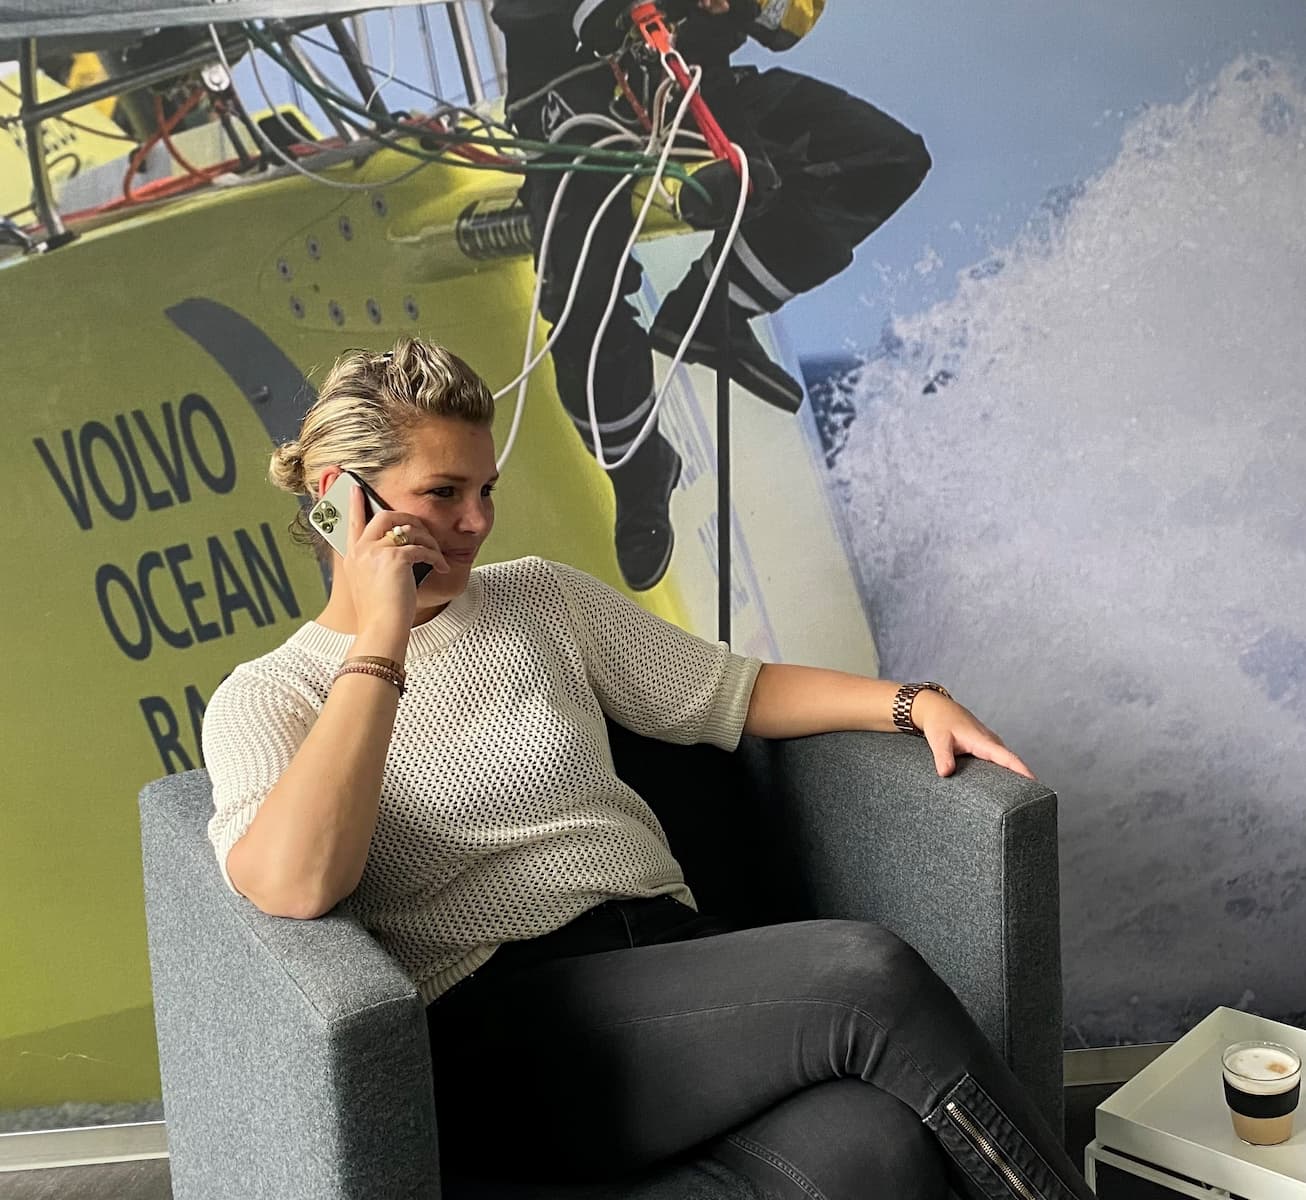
[(828, 169)]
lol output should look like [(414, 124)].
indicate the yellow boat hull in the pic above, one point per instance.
[(152, 363)]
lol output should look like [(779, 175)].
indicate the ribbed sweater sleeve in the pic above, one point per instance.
[(652, 676)]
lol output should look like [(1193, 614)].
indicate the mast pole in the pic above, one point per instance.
[(462, 40), (286, 41), (358, 71), (56, 232), (497, 52)]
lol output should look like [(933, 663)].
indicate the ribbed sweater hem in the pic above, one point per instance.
[(439, 983), (725, 723)]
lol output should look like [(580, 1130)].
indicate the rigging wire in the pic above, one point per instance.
[(17, 119), (476, 115), (460, 137), (297, 135), (428, 47), (340, 184), (376, 90)]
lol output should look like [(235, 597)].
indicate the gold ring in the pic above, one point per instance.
[(398, 535)]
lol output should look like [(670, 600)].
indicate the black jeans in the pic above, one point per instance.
[(822, 1060)]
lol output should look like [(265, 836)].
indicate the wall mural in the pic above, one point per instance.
[(1051, 453)]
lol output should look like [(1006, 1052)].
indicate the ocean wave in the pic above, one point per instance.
[(1078, 488)]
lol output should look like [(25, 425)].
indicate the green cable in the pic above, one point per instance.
[(339, 98), (639, 164), (674, 170)]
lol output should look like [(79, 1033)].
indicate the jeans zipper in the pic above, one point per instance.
[(990, 1152)]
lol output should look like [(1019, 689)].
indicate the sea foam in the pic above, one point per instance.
[(1078, 496)]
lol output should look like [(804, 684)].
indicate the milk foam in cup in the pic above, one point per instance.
[(1262, 1084)]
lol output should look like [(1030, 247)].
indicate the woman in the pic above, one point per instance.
[(435, 758)]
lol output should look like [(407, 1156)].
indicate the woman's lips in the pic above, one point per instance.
[(459, 555)]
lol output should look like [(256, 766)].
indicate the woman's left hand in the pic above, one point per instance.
[(951, 730)]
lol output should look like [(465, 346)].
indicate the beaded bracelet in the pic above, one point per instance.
[(379, 668)]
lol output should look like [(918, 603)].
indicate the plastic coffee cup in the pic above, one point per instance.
[(1262, 1084)]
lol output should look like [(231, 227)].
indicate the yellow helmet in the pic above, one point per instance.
[(781, 23)]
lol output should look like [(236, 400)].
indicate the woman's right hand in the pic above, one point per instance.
[(379, 573)]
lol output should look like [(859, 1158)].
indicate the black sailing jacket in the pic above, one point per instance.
[(600, 25)]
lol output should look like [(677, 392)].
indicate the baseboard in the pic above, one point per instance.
[(37, 1149), (148, 1139), (1108, 1064)]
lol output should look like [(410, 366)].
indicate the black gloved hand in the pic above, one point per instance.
[(722, 184)]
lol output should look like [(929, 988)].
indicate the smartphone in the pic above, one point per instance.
[(330, 515)]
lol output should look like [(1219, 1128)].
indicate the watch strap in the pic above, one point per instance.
[(902, 703)]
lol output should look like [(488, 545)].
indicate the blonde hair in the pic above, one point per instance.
[(365, 409)]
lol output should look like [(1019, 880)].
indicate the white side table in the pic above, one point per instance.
[(1167, 1132)]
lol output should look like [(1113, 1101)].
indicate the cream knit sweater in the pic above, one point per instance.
[(500, 815)]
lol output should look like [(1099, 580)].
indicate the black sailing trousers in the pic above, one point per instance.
[(844, 167), (820, 1060)]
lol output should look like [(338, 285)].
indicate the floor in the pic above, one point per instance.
[(148, 1180)]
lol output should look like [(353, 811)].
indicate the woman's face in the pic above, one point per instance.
[(446, 481)]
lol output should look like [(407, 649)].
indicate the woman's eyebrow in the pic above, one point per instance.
[(440, 475)]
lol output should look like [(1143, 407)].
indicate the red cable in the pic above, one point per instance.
[(639, 110), (172, 185), (134, 164), (648, 18), (177, 156)]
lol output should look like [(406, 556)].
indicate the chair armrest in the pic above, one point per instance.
[(965, 869), (294, 1054)]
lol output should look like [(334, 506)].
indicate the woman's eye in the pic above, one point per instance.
[(442, 493), (488, 489)]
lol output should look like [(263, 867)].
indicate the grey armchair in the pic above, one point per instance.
[(294, 1054)]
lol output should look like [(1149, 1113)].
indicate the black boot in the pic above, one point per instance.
[(750, 365), (642, 489)]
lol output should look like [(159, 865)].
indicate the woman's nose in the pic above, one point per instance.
[(476, 517)]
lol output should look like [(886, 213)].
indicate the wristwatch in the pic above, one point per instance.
[(902, 703)]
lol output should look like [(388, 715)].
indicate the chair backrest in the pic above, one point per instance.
[(724, 818)]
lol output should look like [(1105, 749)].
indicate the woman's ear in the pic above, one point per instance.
[(328, 476)]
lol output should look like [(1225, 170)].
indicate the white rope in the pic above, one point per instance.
[(529, 363), (532, 360), (696, 76)]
